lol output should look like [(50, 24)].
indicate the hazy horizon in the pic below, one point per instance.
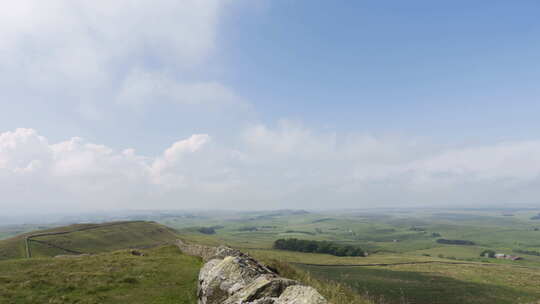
[(250, 105)]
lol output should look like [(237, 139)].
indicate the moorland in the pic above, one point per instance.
[(405, 260)]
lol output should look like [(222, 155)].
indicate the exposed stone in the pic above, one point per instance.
[(223, 278), (136, 252), (232, 277), (301, 295), (265, 287)]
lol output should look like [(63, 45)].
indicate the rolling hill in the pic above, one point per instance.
[(86, 238), (91, 263)]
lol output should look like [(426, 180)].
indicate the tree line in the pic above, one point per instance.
[(318, 247), (529, 252), (455, 242)]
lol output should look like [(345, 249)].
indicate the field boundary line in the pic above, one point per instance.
[(95, 226), (411, 263)]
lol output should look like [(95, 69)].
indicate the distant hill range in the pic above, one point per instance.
[(86, 239)]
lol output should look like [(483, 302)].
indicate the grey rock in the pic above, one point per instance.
[(301, 295), (265, 289), (232, 277), (219, 279)]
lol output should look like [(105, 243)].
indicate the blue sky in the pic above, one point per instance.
[(460, 69), (240, 104)]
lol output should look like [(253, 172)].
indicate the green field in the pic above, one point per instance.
[(436, 273), (406, 264), (86, 238), (162, 275), (438, 283)]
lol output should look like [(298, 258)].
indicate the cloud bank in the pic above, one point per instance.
[(286, 166)]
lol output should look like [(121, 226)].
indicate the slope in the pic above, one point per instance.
[(86, 238), (161, 275)]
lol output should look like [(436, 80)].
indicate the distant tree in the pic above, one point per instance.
[(455, 242), (488, 253), (318, 247), (248, 228), (207, 230)]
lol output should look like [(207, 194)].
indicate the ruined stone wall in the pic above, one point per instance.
[(232, 277)]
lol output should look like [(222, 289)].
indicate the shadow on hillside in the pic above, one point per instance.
[(399, 287)]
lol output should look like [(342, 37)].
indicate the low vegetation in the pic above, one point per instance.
[(334, 292), (529, 252), (161, 275), (404, 266), (436, 283), (86, 238)]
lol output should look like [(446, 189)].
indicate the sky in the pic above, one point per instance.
[(237, 104)]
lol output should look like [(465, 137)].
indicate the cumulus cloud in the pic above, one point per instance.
[(289, 165)]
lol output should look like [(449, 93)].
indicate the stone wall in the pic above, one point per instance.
[(232, 277)]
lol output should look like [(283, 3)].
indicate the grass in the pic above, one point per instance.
[(163, 275), (102, 237), (437, 283), (417, 282), (475, 280), (333, 291), (390, 236)]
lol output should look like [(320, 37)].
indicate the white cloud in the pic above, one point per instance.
[(141, 87), (84, 52), (267, 167), (22, 150)]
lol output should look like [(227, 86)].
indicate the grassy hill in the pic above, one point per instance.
[(405, 265), (162, 275), (85, 238)]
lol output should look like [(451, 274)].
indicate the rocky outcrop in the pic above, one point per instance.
[(232, 277)]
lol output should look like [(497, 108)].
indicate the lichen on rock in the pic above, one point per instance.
[(232, 277)]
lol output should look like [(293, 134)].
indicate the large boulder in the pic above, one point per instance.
[(232, 277), (219, 279)]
